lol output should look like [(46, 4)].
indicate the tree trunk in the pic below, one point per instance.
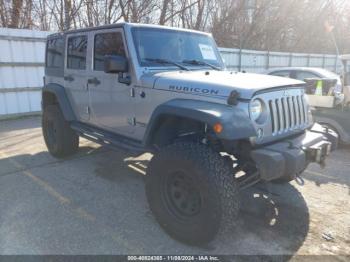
[(16, 12), (123, 10), (3, 14), (163, 12), (67, 14), (201, 4)]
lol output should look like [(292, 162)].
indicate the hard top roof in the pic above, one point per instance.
[(125, 24)]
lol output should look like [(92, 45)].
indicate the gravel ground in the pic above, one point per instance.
[(94, 203)]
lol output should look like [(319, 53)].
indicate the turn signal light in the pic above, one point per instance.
[(218, 128)]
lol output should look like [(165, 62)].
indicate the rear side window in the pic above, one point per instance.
[(54, 53), (76, 52), (302, 75), (281, 73), (107, 44)]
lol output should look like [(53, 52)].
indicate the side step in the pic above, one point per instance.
[(107, 138)]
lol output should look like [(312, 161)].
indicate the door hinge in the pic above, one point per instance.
[(132, 92)]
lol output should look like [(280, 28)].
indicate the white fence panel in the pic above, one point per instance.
[(277, 59), (231, 57), (252, 61), (316, 61), (21, 70), (260, 61), (299, 60)]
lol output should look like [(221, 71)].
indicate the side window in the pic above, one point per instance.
[(107, 44), (302, 75), (76, 52), (281, 73), (54, 53)]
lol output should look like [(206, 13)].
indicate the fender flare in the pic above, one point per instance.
[(236, 122), (343, 135), (62, 99)]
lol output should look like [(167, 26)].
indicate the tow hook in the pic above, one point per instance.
[(323, 164), (318, 152), (299, 180)]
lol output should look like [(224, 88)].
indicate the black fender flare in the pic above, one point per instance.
[(344, 136), (235, 121), (62, 98)]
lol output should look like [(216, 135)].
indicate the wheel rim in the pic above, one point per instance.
[(182, 196)]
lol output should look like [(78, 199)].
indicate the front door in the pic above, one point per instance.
[(75, 75), (111, 105)]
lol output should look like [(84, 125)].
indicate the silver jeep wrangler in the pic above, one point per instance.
[(164, 90)]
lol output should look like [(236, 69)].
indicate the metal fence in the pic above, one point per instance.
[(260, 61), (22, 56)]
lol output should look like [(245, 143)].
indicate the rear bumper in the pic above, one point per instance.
[(289, 158)]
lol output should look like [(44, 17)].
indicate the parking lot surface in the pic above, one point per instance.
[(94, 203)]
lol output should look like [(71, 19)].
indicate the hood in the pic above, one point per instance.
[(216, 83)]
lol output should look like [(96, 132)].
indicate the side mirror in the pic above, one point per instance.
[(115, 64)]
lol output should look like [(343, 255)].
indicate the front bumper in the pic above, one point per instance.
[(289, 158)]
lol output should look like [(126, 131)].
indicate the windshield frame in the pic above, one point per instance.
[(220, 62)]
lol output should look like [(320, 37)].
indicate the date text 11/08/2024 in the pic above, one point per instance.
[(174, 258)]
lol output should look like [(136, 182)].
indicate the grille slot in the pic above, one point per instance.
[(287, 113)]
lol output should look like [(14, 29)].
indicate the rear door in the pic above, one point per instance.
[(111, 104), (75, 75)]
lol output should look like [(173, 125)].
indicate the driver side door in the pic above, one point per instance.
[(110, 100)]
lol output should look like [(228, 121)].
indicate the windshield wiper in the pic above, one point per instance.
[(164, 61), (199, 62)]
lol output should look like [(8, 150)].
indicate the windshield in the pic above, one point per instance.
[(175, 46), (328, 74)]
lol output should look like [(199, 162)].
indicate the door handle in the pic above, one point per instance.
[(94, 81), (69, 78)]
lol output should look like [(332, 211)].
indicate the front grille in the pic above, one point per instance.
[(287, 113)]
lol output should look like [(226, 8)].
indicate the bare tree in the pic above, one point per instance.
[(16, 12), (288, 25), (3, 14)]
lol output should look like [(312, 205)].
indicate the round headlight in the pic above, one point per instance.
[(256, 109)]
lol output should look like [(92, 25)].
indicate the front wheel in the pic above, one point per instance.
[(60, 139), (192, 192)]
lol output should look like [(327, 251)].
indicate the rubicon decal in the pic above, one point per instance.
[(187, 89)]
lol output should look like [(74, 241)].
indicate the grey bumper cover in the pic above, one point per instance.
[(290, 157)]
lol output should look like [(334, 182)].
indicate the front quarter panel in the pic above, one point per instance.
[(235, 120)]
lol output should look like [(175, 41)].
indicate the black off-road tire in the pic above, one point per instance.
[(60, 139), (213, 198)]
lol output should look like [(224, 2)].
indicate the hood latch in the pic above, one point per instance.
[(233, 98)]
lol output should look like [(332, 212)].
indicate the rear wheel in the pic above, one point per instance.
[(192, 192), (60, 139)]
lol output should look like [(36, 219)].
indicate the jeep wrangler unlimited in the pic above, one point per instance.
[(163, 90)]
